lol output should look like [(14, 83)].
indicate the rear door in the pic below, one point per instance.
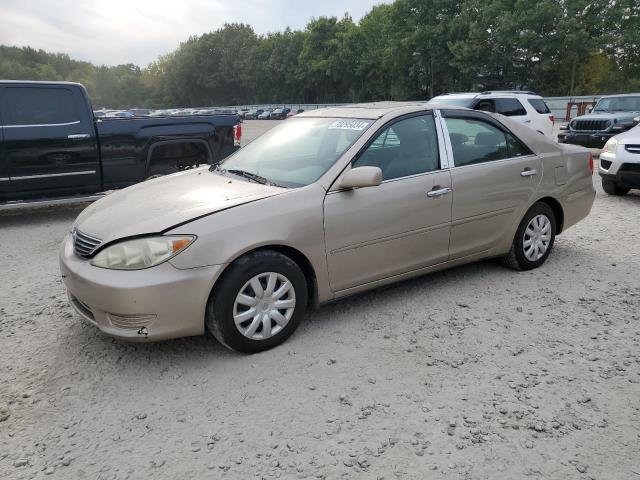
[(49, 141), (493, 178)]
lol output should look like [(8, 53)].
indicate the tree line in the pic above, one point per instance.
[(405, 50)]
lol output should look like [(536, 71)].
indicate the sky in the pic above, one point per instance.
[(138, 31)]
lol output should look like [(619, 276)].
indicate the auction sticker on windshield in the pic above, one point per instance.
[(349, 125)]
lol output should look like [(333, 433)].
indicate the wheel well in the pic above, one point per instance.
[(557, 211), (302, 261), (178, 154)]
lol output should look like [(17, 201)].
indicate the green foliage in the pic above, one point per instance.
[(408, 49)]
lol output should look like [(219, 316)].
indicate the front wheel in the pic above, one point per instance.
[(612, 188), (534, 239), (258, 302)]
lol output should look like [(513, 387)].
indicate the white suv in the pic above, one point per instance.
[(620, 163), (524, 107)]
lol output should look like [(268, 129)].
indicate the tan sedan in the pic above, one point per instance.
[(327, 204)]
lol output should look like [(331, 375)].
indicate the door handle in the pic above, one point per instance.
[(527, 121), (78, 136), (528, 172), (438, 192)]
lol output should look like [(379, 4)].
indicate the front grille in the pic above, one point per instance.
[(605, 164), (590, 125), (630, 167), (632, 148), (84, 245)]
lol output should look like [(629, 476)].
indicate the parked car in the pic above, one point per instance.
[(51, 145), (293, 114), (330, 203), (620, 162), (253, 114), (119, 114), (612, 115), (265, 115), (279, 113), (524, 107)]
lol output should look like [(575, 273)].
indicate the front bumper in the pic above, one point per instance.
[(621, 168), (158, 303), (589, 140)]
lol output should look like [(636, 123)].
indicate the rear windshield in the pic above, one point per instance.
[(539, 105), (297, 152)]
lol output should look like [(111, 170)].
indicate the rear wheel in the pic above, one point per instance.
[(612, 188), (534, 239), (258, 302)]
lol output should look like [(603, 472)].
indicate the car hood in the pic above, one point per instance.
[(157, 205), (631, 136), (619, 116)]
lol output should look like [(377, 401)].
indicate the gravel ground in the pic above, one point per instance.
[(474, 373)]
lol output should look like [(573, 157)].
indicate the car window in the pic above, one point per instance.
[(408, 147), (485, 106), (516, 148), (539, 105), (39, 106), (510, 107), (475, 141)]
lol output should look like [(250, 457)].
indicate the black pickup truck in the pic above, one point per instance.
[(52, 146)]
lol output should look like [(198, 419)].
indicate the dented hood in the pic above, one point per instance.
[(157, 205)]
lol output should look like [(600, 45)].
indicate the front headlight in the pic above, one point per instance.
[(611, 146), (141, 252)]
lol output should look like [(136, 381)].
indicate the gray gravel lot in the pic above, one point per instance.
[(474, 373)]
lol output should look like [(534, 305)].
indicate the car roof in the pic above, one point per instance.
[(489, 94), (371, 111), (622, 95)]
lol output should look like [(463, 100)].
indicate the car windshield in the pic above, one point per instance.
[(456, 102), (618, 104), (297, 152)]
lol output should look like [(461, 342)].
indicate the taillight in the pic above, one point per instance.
[(591, 163), (237, 135), (553, 119)]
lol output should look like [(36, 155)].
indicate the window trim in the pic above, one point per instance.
[(474, 115), (441, 161)]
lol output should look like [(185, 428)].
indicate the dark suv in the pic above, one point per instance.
[(612, 115)]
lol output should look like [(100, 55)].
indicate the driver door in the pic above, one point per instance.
[(399, 226)]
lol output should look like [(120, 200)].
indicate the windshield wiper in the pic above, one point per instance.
[(251, 176)]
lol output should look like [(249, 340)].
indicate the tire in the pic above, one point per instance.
[(521, 257), (249, 335), (612, 188)]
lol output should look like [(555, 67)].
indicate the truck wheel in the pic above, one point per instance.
[(258, 302), (611, 188), (534, 239)]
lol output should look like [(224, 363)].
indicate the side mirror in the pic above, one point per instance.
[(590, 109), (636, 120), (361, 177)]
